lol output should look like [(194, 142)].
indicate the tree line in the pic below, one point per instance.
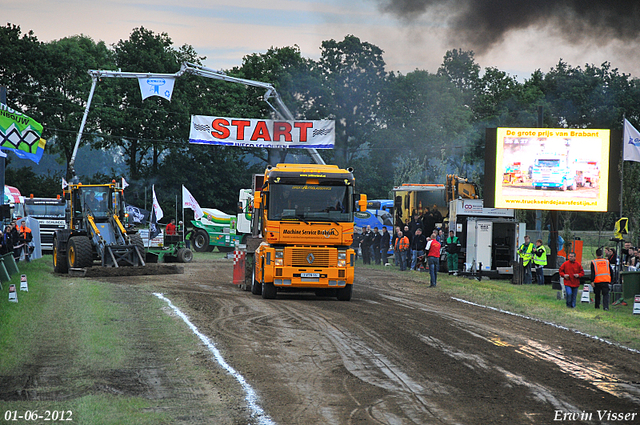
[(392, 128)]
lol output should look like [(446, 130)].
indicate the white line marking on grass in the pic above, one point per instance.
[(555, 325), (250, 394)]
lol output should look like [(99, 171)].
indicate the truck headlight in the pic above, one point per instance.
[(279, 258), (342, 259)]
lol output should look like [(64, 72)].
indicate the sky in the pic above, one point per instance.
[(515, 36)]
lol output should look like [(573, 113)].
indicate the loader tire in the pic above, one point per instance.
[(136, 240), (201, 241), (184, 255), (79, 252), (59, 258)]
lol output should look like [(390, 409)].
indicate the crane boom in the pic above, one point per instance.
[(188, 68)]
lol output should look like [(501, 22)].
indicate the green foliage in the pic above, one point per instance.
[(392, 128), (354, 76), (30, 183)]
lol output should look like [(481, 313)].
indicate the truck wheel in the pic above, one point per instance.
[(201, 241), (269, 290), (59, 259), (256, 287), (344, 294), (184, 255), (79, 252)]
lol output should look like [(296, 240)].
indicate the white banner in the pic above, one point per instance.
[(162, 87), (631, 140), (246, 132), (188, 201)]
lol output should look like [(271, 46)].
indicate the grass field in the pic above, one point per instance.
[(81, 342)]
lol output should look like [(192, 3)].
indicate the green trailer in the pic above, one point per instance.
[(215, 229)]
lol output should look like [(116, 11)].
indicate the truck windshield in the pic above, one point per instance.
[(547, 163), (310, 202), (45, 211)]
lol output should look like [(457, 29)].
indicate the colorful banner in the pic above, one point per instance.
[(258, 133), (21, 134)]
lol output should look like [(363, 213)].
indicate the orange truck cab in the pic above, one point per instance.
[(304, 215)]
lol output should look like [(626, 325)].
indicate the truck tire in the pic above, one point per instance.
[(344, 294), (269, 290), (256, 287), (201, 241), (79, 252), (184, 255), (59, 258)]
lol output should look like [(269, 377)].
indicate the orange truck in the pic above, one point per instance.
[(302, 230)]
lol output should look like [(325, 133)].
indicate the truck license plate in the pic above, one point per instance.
[(309, 274)]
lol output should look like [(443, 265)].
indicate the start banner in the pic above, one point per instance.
[(259, 133)]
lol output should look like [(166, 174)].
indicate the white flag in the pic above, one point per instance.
[(156, 206), (64, 184), (155, 86), (124, 184), (188, 201), (631, 140)]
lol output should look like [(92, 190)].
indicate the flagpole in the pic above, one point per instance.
[(622, 164), (184, 223)]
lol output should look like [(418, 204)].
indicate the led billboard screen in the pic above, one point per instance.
[(552, 169)]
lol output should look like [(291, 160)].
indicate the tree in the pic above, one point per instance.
[(353, 76), (19, 55), (64, 88), (426, 121), (144, 130), (213, 174), (460, 67), (295, 79)]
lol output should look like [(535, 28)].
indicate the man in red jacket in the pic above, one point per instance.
[(433, 257), (571, 271)]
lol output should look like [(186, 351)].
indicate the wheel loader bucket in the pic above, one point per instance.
[(122, 255)]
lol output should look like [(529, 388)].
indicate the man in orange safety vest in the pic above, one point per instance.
[(601, 278)]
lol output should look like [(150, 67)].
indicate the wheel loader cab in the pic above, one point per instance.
[(96, 201)]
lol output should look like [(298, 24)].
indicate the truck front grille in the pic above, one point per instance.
[(301, 257)]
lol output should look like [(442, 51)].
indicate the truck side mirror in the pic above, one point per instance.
[(362, 203), (257, 201), (239, 210)]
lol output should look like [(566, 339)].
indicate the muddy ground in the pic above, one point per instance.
[(401, 353), (397, 353)]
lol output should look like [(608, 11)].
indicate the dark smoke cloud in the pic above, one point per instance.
[(484, 23)]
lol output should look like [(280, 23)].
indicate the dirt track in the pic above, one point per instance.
[(401, 353)]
